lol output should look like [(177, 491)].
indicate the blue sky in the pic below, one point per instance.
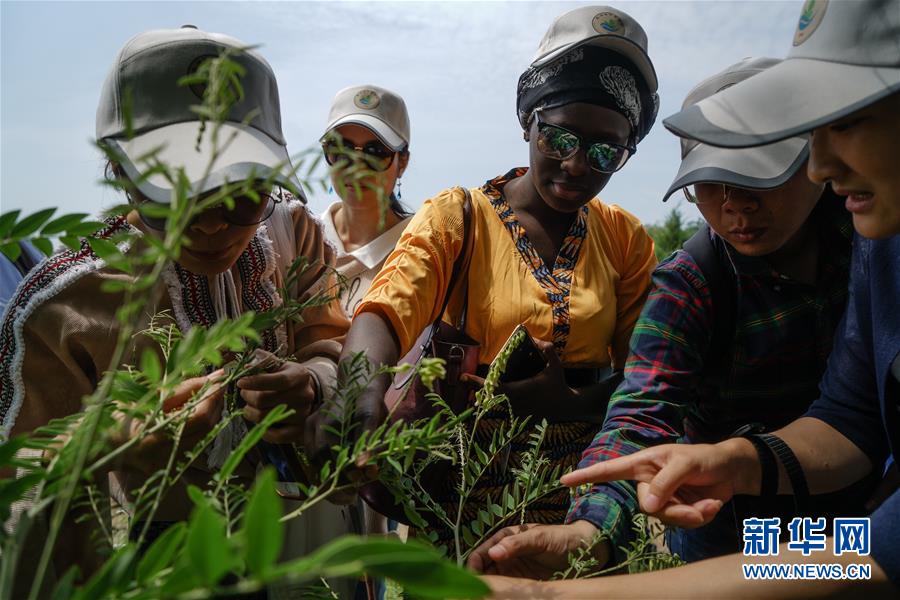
[(455, 63)]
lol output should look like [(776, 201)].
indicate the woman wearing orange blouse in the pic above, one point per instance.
[(546, 251)]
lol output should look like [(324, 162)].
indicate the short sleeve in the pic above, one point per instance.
[(637, 263), (409, 290)]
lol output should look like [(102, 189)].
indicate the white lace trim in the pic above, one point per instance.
[(24, 312)]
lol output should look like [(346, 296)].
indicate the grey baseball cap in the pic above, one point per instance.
[(845, 56), (143, 82), (602, 26), (375, 108), (762, 168)]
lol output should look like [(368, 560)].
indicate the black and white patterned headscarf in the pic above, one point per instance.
[(592, 75)]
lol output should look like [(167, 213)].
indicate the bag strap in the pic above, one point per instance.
[(460, 266), (721, 282)]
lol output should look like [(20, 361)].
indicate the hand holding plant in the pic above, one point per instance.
[(278, 382), (534, 551), (199, 400)]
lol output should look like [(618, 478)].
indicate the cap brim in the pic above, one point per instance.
[(243, 153), (788, 99), (387, 135), (620, 44), (761, 168)]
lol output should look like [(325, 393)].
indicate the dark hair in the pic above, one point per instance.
[(397, 207)]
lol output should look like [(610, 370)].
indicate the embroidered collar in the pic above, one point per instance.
[(557, 284)]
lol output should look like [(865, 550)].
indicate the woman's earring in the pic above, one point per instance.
[(399, 185), (330, 189)]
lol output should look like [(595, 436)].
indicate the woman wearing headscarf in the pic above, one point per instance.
[(546, 252)]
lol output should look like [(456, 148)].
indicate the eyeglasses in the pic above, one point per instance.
[(375, 154), (559, 143), (246, 211), (709, 193)]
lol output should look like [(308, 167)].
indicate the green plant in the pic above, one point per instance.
[(641, 554), (472, 519), (231, 542), (669, 235)]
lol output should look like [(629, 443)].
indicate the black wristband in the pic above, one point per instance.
[(792, 467), (768, 466)]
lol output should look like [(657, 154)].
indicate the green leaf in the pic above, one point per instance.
[(419, 569), (162, 552), (31, 223), (11, 250), (150, 365), (9, 448), (112, 577), (105, 249), (14, 489), (43, 244), (262, 529), (63, 223), (250, 440), (85, 228), (207, 547), (197, 497), (7, 220), (65, 587), (468, 537), (114, 286), (72, 242)]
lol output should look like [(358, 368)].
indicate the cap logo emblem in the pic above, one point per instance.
[(810, 18), (607, 22), (367, 99)]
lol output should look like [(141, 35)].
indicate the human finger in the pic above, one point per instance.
[(278, 380), (480, 558), (523, 543), (283, 434), (689, 516), (207, 412), (666, 482), (632, 467), (473, 381), (188, 388)]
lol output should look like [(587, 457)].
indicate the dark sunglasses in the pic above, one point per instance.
[(376, 155), (245, 212), (716, 193), (559, 143)]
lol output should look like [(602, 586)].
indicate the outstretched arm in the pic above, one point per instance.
[(721, 577)]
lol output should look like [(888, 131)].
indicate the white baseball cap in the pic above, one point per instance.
[(375, 108), (602, 26), (143, 108), (845, 56), (761, 167)]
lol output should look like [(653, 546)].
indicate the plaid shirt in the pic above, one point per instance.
[(782, 338)]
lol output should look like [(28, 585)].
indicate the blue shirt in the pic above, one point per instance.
[(860, 391), (11, 275)]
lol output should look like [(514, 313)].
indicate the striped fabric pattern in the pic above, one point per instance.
[(557, 283)]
